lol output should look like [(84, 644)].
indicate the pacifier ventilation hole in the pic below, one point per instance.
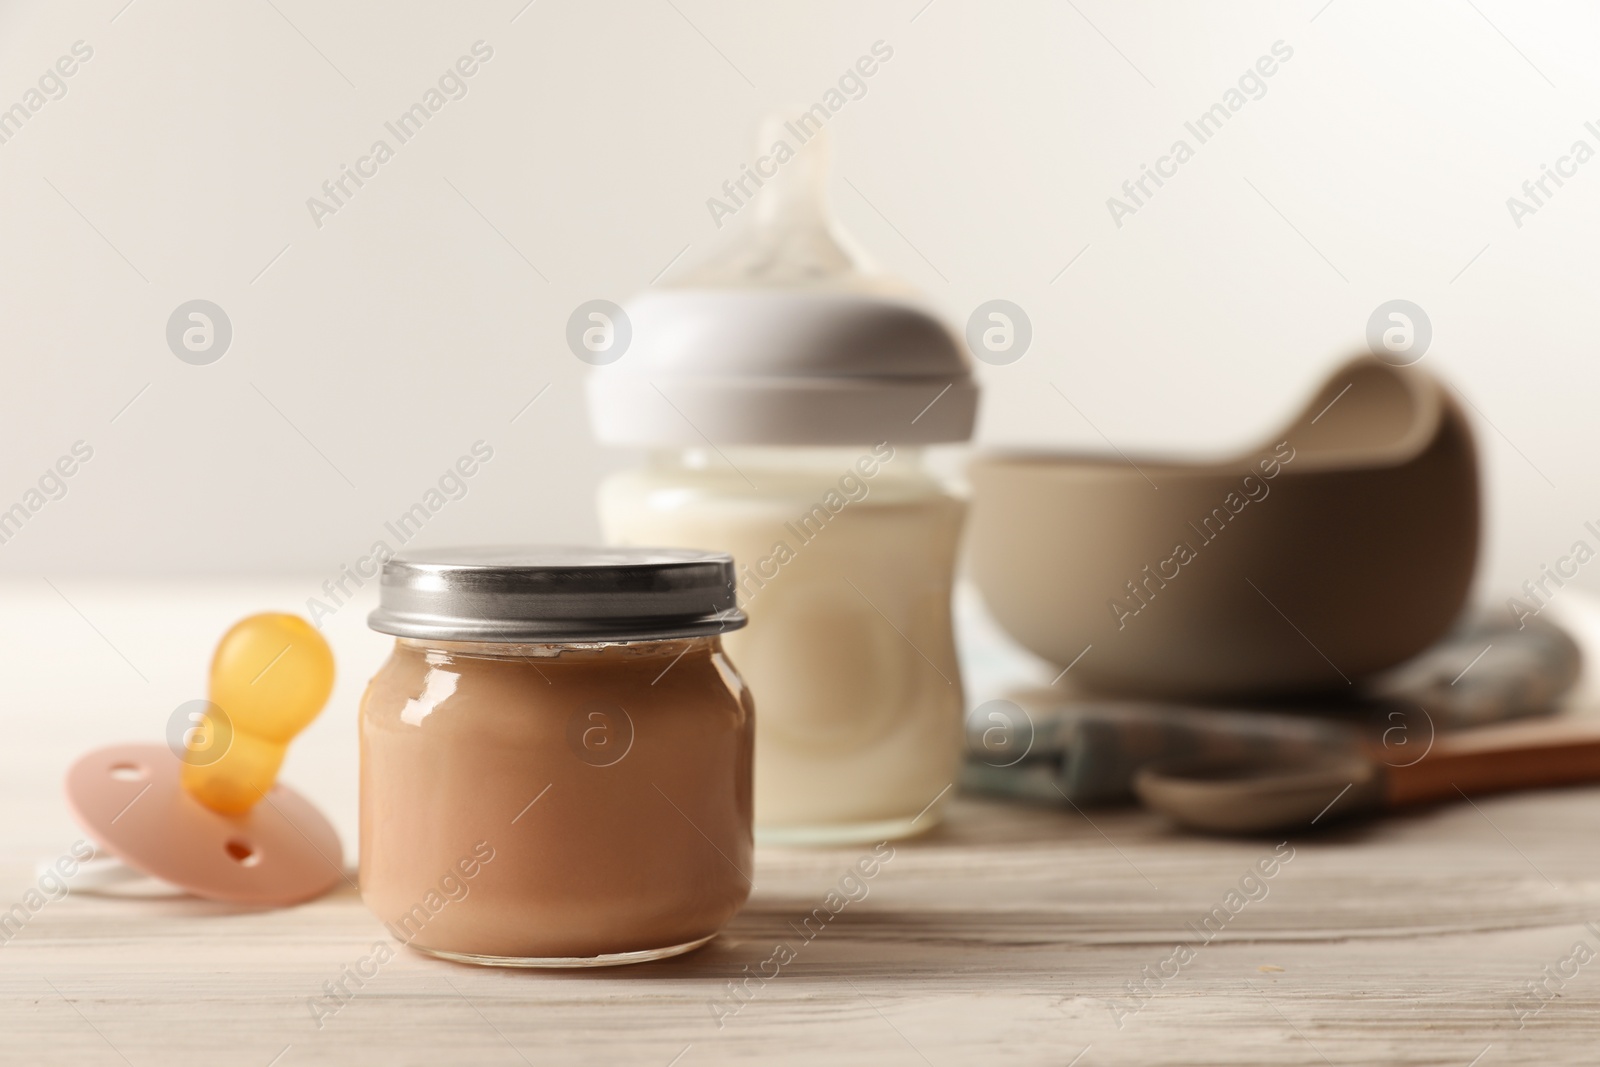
[(241, 852)]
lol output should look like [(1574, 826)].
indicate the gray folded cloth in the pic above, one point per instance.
[(1041, 745)]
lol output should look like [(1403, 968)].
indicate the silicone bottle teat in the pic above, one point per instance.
[(270, 676), (791, 238), (786, 335)]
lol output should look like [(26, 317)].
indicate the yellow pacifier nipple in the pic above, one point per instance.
[(270, 676)]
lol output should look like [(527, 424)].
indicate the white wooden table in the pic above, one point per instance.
[(1007, 936)]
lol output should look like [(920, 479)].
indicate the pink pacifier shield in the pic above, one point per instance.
[(129, 799)]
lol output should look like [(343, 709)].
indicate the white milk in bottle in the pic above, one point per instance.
[(785, 393)]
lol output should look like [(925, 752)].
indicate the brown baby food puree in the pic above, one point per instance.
[(544, 802)]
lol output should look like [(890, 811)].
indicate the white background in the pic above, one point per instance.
[(977, 165)]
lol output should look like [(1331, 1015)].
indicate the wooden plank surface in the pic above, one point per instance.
[(1009, 935)]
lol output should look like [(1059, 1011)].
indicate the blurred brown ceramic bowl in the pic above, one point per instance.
[(1342, 546)]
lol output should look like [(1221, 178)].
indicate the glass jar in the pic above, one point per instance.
[(846, 558), (556, 757)]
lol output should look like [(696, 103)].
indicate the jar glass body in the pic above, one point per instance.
[(845, 560), (556, 805)]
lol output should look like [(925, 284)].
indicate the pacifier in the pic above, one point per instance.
[(205, 812)]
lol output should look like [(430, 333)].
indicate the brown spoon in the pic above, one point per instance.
[(1246, 797)]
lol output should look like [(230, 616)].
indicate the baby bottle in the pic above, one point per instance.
[(785, 391)]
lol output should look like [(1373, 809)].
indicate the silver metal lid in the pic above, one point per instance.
[(556, 594)]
